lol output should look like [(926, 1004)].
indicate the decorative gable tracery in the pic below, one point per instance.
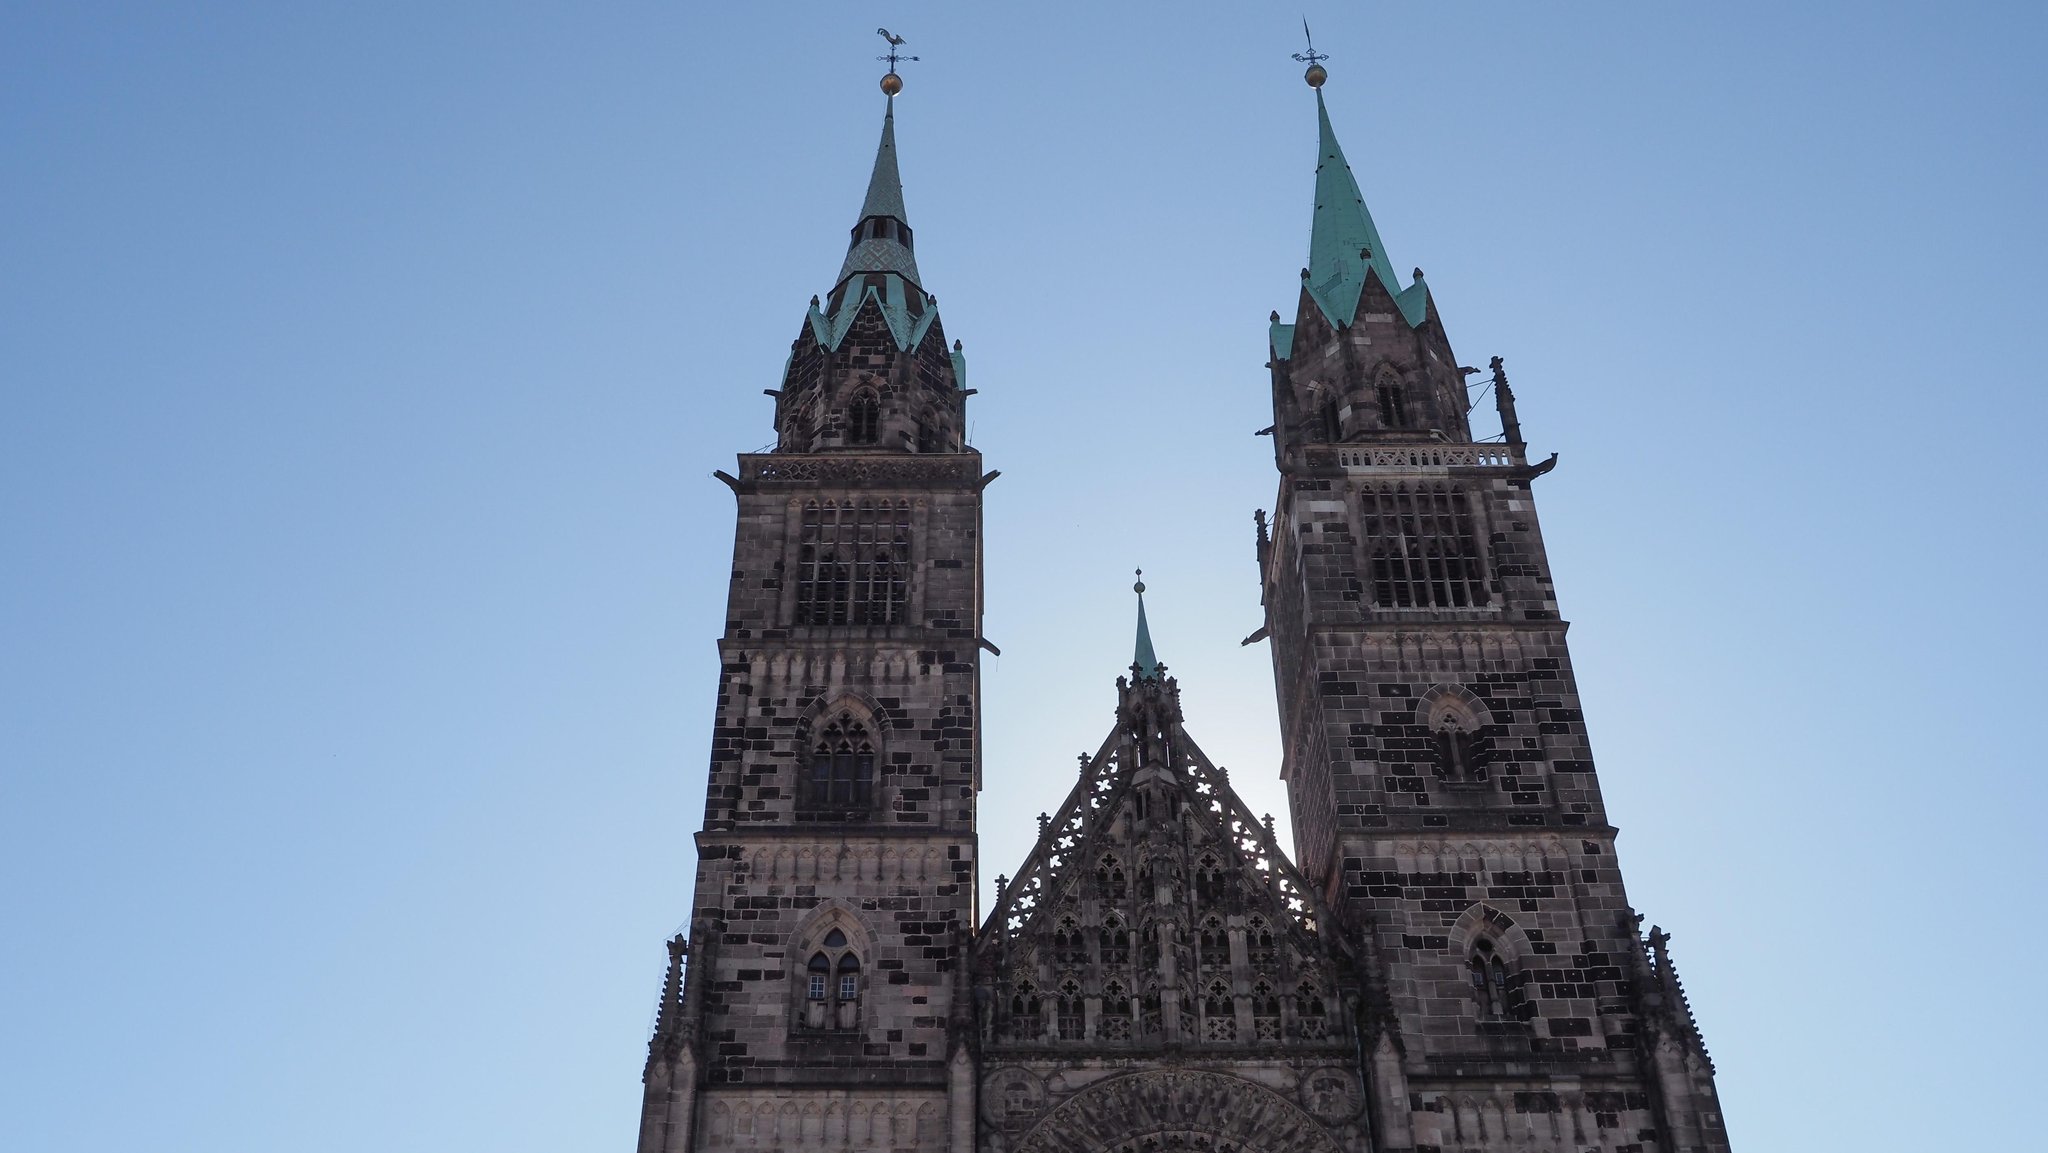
[(1157, 908)]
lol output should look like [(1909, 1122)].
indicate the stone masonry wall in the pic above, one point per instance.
[(895, 878)]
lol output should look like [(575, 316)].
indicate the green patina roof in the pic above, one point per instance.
[(879, 269), (1144, 660), (1282, 338), (1343, 229), (885, 198), (893, 295)]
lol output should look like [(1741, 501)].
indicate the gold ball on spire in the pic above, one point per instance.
[(1315, 76), (892, 84)]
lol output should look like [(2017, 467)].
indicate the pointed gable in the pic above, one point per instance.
[(1156, 909)]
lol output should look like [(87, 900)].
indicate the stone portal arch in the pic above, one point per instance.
[(1184, 1109)]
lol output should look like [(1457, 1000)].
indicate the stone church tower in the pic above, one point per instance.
[(1449, 963), (824, 1005)]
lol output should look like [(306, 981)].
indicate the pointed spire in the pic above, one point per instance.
[(885, 185), (1343, 242), (1144, 662), (882, 239)]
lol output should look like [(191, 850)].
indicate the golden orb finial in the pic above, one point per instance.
[(892, 83), (1314, 59)]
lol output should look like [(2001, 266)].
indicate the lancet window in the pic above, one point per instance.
[(1068, 945), (1424, 552), (832, 985), (1215, 945), (1068, 1015), (863, 418), (1115, 941), (1219, 1016), (1116, 1012), (1265, 1011), (853, 563), (1259, 947), (1459, 757), (1392, 400), (1025, 1022), (1489, 977), (1311, 1016)]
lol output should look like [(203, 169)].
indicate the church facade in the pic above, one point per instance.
[(1446, 960)]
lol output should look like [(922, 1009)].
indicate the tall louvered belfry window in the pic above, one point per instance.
[(1424, 552), (853, 563)]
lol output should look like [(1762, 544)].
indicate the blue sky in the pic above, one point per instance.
[(365, 366)]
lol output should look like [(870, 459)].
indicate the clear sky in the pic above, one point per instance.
[(364, 367)]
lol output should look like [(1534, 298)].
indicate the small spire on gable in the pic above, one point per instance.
[(1144, 663)]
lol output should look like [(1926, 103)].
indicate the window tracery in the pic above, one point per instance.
[(853, 563), (1491, 990), (1311, 1016), (863, 418), (1460, 750), (1392, 399), (840, 781), (1025, 1022), (831, 987)]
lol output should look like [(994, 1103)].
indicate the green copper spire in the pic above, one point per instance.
[(1343, 245), (1146, 664), (882, 240)]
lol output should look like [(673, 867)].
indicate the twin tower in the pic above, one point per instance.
[(1448, 962)]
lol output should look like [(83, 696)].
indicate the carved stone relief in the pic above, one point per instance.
[(1178, 1109)]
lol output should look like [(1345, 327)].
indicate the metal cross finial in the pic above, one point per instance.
[(1310, 57), (895, 42)]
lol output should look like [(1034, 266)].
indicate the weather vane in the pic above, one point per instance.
[(1314, 59), (892, 83)]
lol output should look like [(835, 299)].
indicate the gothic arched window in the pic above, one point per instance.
[(1025, 1023), (1116, 1012), (1068, 947), (841, 778), (1070, 1017), (1215, 945), (1387, 391), (1258, 943), (1311, 1016), (1115, 941), (1265, 1011), (1208, 878), (863, 418), (1459, 755), (1218, 1014), (831, 985), (1489, 977)]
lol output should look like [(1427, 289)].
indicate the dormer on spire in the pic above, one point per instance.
[(882, 240)]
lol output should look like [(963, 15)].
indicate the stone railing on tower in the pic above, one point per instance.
[(861, 468), (1355, 457)]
